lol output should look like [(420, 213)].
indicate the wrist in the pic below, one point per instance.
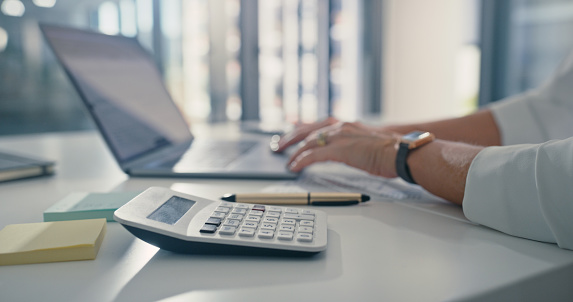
[(442, 168), (407, 144), (386, 157), (390, 156)]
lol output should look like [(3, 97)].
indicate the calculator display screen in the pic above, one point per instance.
[(172, 210)]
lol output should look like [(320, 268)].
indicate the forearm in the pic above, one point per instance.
[(478, 128), (441, 167)]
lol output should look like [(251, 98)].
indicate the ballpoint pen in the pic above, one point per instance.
[(315, 199)]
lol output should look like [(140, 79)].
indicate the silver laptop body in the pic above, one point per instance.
[(124, 92)]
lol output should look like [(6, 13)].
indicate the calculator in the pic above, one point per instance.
[(190, 224)]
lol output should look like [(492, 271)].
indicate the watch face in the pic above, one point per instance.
[(416, 139), (414, 136)]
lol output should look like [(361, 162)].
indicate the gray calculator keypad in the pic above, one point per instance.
[(263, 222)]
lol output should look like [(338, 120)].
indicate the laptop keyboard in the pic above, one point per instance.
[(8, 164), (213, 154)]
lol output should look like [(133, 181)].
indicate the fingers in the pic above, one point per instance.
[(309, 157), (314, 140), (332, 136), (373, 154), (340, 147), (300, 133)]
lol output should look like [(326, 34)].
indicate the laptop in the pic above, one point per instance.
[(124, 92)]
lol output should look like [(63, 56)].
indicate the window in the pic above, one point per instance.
[(524, 42), (311, 59), (222, 60)]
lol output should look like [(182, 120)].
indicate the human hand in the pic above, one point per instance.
[(305, 130), (299, 133), (354, 144)]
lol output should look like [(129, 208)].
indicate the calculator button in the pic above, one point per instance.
[(235, 216), (299, 217), (213, 221), (227, 230), (239, 211), (274, 214), (258, 208), (253, 219), (222, 209), (218, 215), (208, 228), (307, 212), (307, 223), (246, 232), (242, 206), (250, 224), (275, 209), (304, 237), (304, 229), (231, 222), (266, 234), (285, 236), (288, 228), (291, 211), (307, 217), (268, 226), (288, 221), (270, 220), (256, 213)]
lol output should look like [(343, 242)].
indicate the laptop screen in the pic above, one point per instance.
[(122, 88)]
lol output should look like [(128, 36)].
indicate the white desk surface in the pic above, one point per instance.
[(378, 251)]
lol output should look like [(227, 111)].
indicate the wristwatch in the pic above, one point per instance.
[(409, 142)]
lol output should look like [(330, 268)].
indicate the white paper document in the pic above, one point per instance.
[(331, 176)]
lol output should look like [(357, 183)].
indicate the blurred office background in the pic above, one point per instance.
[(293, 60)]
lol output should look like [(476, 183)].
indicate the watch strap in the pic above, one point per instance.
[(402, 168)]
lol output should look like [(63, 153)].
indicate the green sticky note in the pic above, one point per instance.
[(83, 205)]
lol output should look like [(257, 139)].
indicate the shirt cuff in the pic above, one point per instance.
[(501, 192)]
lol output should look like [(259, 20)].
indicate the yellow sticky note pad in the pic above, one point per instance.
[(51, 241)]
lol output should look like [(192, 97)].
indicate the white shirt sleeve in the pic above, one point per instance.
[(527, 190), (540, 115), (524, 190)]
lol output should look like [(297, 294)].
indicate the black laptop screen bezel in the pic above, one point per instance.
[(122, 160)]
